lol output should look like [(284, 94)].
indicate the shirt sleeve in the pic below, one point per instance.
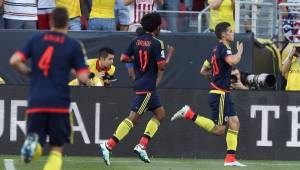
[(225, 52), (129, 52), (159, 51), (26, 52), (79, 59)]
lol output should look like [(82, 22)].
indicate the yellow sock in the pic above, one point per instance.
[(205, 123), (38, 152), (123, 129), (231, 139), (54, 161), (151, 127)]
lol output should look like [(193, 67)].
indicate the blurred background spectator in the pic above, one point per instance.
[(1, 14), (221, 11), (137, 9), (291, 22), (291, 66), (122, 15), (171, 5), (20, 14), (74, 10), (102, 16), (45, 8)]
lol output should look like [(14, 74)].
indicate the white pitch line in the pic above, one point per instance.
[(9, 164)]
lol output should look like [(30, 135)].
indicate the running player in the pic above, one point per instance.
[(146, 52), (220, 101), (53, 54)]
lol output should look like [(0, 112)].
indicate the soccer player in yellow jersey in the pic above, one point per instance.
[(74, 10), (291, 67), (102, 16), (221, 11), (101, 69)]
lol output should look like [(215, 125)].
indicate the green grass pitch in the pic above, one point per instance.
[(96, 163)]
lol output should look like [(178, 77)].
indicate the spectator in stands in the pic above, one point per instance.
[(122, 15), (172, 5), (2, 81), (1, 15), (101, 69), (137, 9), (102, 16), (198, 5), (291, 67), (221, 11), (20, 14), (45, 8), (74, 10), (291, 24)]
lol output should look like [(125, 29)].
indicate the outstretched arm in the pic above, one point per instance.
[(160, 74), (17, 61), (288, 61)]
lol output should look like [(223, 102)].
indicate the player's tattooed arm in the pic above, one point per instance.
[(18, 63)]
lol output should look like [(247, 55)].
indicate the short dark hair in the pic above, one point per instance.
[(105, 51), (151, 21), (59, 17), (221, 28)]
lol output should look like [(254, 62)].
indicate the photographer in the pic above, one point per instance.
[(101, 69), (235, 80), (291, 68)]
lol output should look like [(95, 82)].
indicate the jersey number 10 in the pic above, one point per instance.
[(215, 65), (44, 63)]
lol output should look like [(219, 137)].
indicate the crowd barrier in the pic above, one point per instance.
[(269, 123)]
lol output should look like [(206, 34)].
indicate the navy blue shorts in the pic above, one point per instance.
[(221, 106), (55, 125), (143, 102)]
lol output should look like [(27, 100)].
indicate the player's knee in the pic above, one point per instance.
[(219, 130), (160, 117), (133, 117), (234, 123)]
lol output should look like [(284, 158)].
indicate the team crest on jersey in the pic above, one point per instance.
[(229, 52), (226, 118)]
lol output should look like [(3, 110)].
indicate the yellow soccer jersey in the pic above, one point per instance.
[(95, 68), (103, 9), (72, 6), (223, 14), (293, 77)]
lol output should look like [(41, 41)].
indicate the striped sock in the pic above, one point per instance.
[(123, 129), (150, 130)]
